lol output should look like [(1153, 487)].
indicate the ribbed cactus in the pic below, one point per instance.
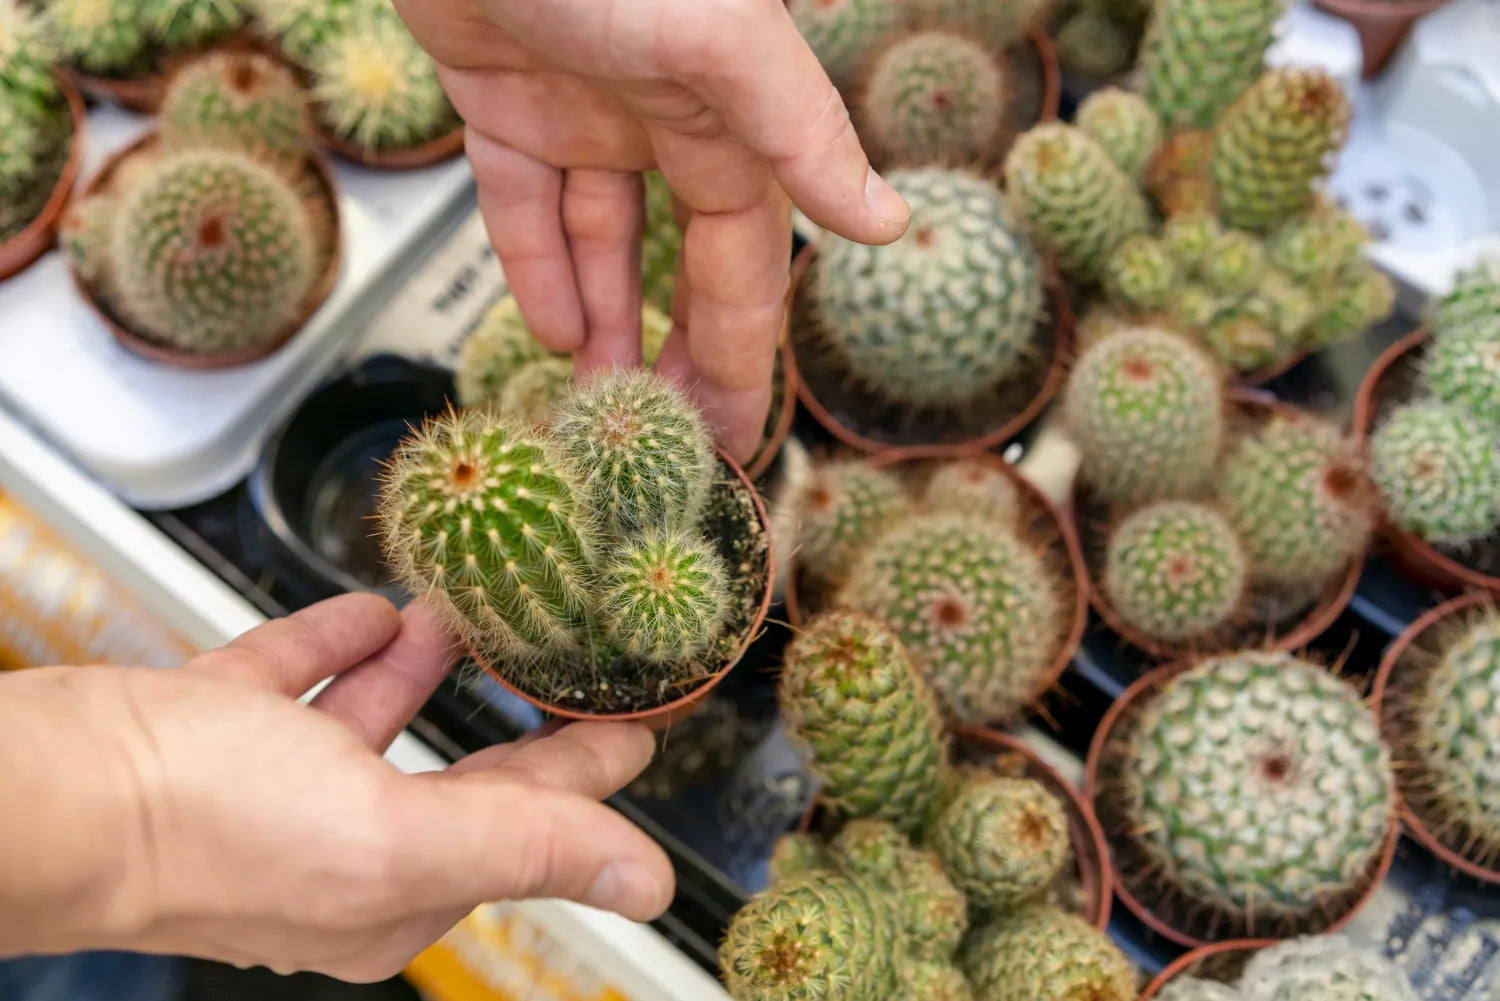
[(1297, 492), (841, 32), (1072, 197), (645, 452), (1191, 237), (496, 349), (841, 510), (535, 389), (974, 485), (1191, 308), (189, 24), (1141, 273), (933, 981), (1359, 298), (302, 27), (1275, 144), (1001, 840), (1475, 296), (1462, 366), (932, 911), (1438, 470), (103, 37), (938, 318), (664, 596), (1040, 953), (818, 937), (237, 100), (933, 97), (1199, 55), (212, 252), (1317, 247), (661, 247), (1146, 410), (1233, 263), (849, 694), (1175, 570), (1325, 967), (1124, 125), (1254, 787), (796, 854), (979, 608)]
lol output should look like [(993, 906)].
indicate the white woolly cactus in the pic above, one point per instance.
[(665, 596), (1326, 967), (104, 37)]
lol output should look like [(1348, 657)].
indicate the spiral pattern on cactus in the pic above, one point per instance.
[(1438, 470), (797, 854), (1124, 125), (1198, 56), (1175, 570), (1462, 366), (933, 97), (974, 485), (1317, 247), (239, 101), (302, 27), (664, 596), (105, 37), (186, 24), (1001, 840)]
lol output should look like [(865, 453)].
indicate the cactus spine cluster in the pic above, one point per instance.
[(189, 24), (1124, 125), (1038, 951), (1175, 571), (933, 912), (1001, 840), (302, 27), (1438, 470), (1199, 55), (1462, 366), (843, 507), (103, 37), (933, 97), (840, 32), (1475, 296), (240, 101), (939, 318), (665, 596)]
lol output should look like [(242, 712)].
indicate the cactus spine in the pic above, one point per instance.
[(844, 507), (1124, 125), (1199, 55), (1438, 470), (933, 97), (1175, 570), (1462, 366), (239, 101), (1002, 840), (1039, 952), (665, 596), (933, 912), (1141, 273), (1233, 263)]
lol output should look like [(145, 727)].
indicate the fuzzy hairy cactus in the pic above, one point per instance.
[(1199, 55), (1141, 273), (1191, 308), (237, 100), (796, 854), (1438, 470), (1146, 410), (1317, 247), (1462, 366), (849, 693), (1072, 197), (1191, 237), (1001, 840), (972, 485), (933, 97), (1274, 144), (1327, 967), (933, 981), (840, 32), (818, 937), (302, 27), (645, 452), (1124, 125), (661, 247), (1257, 789), (938, 318), (1040, 953), (665, 596), (1175, 570), (189, 24), (493, 352), (979, 608), (536, 388), (84, 235), (932, 911), (1359, 298), (213, 252), (103, 37), (842, 508), (1242, 341), (1475, 296), (1234, 263)]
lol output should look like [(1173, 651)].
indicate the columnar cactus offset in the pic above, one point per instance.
[(933, 912), (302, 27), (841, 510), (661, 246), (1462, 366), (981, 610), (1357, 299), (1040, 952), (1002, 840), (1072, 197), (974, 485), (1146, 408), (1175, 570), (646, 453), (1233, 263), (104, 37), (1141, 273), (939, 318), (187, 24), (840, 32), (796, 854), (536, 388), (818, 937), (665, 596), (1438, 470), (933, 97), (213, 252), (493, 352), (1124, 125), (237, 100), (1323, 966), (1475, 296), (1317, 247), (849, 694), (1275, 144), (1255, 788), (1178, 177), (1199, 55), (1297, 492), (1191, 237)]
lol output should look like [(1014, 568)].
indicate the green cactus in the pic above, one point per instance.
[(191, 24), (27, 51), (23, 144), (1316, 248), (1254, 787), (1194, 989), (1039, 953), (1178, 177), (85, 236), (1438, 470), (1275, 144), (1191, 237), (841, 32), (849, 694), (661, 247), (645, 451), (933, 912), (1141, 273), (1192, 307), (1284, 306), (1357, 299), (664, 596), (1242, 341), (535, 389), (1175, 570), (1093, 44), (1072, 197), (974, 485), (1234, 263), (818, 937), (34, 119), (498, 347), (212, 252), (1100, 320), (997, 25), (1124, 125), (933, 97), (102, 37), (302, 27), (1462, 366), (1197, 56), (1146, 410), (1001, 840), (933, 981), (842, 508), (938, 318), (1327, 967), (1475, 296), (240, 101), (797, 854), (980, 609)]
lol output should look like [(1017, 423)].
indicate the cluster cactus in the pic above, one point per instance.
[(35, 126), (106, 38), (931, 97), (1141, 273), (1199, 55), (941, 317), (933, 912), (845, 505), (1125, 125), (1438, 470), (841, 32), (665, 596), (238, 101), (1001, 840), (1038, 951), (796, 854)]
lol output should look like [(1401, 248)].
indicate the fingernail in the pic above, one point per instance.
[(625, 887), (884, 201)]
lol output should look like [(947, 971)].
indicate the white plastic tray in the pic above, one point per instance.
[(162, 437)]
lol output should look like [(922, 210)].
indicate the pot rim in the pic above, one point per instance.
[(19, 252)]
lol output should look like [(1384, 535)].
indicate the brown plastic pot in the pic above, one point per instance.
[(1382, 25), (151, 350), (444, 147), (1391, 380), (663, 716), (18, 252), (1221, 962), (1397, 674), (1166, 916), (770, 446)]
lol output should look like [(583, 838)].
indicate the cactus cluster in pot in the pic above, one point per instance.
[(1312, 966), (36, 126), (126, 39)]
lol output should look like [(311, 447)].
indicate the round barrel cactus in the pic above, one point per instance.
[(841, 510), (1001, 840), (934, 981), (1124, 125), (1438, 470), (931, 97), (1357, 299), (1037, 951), (841, 32), (303, 27), (973, 485), (1141, 273), (103, 37), (1475, 296), (664, 596), (1462, 366), (1233, 263), (237, 100), (1191, 237)]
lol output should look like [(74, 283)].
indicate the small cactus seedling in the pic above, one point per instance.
[(239, 101), (104, 37), (302, 27), (933, 912), (933, 97), (1038, 951), (1199, 55), (1072, 197), (1318, 247), (535, 389), (497, 348), (1475, 296), (840, 32), (1191, 308), (1146, 408), (796, 854), (939, 318), (1001, 840), (1462, 366), (1359, 298), (1438, 470), (980, 609), (1141, 273), (841, 510), (849, 693), (1124, 125), (190, 24), (1234, 263), (974, 485), (1175, 570), (664, 596), (1191, 237), (1325, 967)]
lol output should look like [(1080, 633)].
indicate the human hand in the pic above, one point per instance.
[(567, 101), (206, 812)]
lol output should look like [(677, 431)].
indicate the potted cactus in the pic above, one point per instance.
[(610, 564), (1311, 967), (210, 241)]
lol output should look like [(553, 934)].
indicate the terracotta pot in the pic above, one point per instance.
[(151, 350), (663, 716), (1221, 962), (1400, 668), (444, 147), (1163, 918), (770, 447), (20, 251), (1391, 381), (861, 421), (1382, 25), (803, 600), (1091, 523)]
